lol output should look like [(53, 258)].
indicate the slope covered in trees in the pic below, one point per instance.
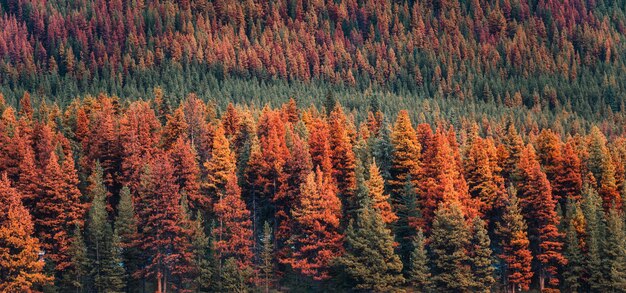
[(122, 195)]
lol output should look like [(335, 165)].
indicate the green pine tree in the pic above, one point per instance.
[(126, 229), (595, 227), (615, 253), (418, 275), (232, 278), (74, 278), (408, 215), (481, 261), (202, 256), (266, 265), (575, 259), (370, 261), (448, 243), (103, 248)]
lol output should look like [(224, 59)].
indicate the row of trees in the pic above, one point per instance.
[(126, 198)]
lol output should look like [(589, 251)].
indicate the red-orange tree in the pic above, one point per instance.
[(539, 208), (316, 240), (233, 231), (20, 266), (163, 227)]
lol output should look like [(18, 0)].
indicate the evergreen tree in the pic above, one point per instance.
[(418, 275), (266, 265), (480, 257), (369, 260), (448, 243), (574, 269), (515, 253), (233, 278), (595, 228), (106, 272), (614, 262), (407, 224), (202, 256), (75, 277), (20, 266), (126, 229), (405, 158)]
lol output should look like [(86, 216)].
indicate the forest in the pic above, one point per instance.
[(312, 146)]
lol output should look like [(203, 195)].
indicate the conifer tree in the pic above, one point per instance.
[(568, 178), (164, 233), (342, 157), (480, 257), (595, 229), (202, 256), (220, 165), (574, 270), (106, 272), (232, 277), (599, 162), (448, 243), (418, 275), (126, 229), (539, 208), (614, 263), (75, 276), (380, 200), (408, 221), (20, 266), (266, 259), (233, 233), (515, 253), (406, 154), (369, 260), (316, 240)]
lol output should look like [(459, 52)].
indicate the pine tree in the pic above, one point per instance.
[(568, 178), (599, 162), (480, 257), (126, 229), (202, 256), (614, 262), (572, 274), (233, 233), (595, 229), (75, 276), (540, 211), (57, 210), (418, 275), (175, 127), (164, 233), (106, 272), (369, 260), (448, 243), (380, 200), (266, 264), (342, 157), (406, 153), (187, 173), (408, 219), (316, 240), (515, 253), (233, 278), (20, 266), (220, 165)]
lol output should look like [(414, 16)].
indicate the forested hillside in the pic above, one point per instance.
[(312, 146)]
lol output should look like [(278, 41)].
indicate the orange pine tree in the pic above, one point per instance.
[(406, 154), (316, 240), (380, 200), (539, 208), (220, 165), (233, 231), (20, 266)]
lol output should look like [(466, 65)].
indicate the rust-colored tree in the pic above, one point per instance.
[(233, 231), (316, 240), (20, 266)]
